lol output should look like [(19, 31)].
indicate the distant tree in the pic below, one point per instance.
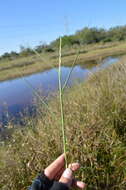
[(5, 56), (26, 51), (40, 48), (13, 55), (117, 33), (88, 35), (84, 36), (66, 41), (49, 49)]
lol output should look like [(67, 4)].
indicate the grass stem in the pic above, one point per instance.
[(61, 102), (68, 77)]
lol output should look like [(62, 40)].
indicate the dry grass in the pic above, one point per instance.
[(95, 121)]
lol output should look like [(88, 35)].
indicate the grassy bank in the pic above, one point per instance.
[(33, 64), (95, 120)]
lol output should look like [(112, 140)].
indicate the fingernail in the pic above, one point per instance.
[(67, 173)]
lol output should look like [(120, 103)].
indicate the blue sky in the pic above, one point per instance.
[(29, 22)]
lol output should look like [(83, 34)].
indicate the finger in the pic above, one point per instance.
[(52, 170), (74, 166), (67, 177), (79, 184), (58, 175)]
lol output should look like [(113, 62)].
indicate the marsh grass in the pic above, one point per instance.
[(95, 126)]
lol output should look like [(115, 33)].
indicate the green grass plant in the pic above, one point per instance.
[(61, 102)]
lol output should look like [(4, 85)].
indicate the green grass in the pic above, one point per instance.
[(61, 103), (95, 124), (33, 64)]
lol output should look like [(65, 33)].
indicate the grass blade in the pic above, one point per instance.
[(68, 77), (61, 103)]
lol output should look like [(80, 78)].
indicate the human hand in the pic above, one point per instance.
[(56, 171)]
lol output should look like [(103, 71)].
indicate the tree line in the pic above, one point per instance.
[(84, 36)]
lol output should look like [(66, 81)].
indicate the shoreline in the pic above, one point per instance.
[(18, 70)]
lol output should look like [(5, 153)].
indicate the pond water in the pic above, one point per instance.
[(17, 95)]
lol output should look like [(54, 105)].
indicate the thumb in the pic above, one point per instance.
[(67, 177)]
